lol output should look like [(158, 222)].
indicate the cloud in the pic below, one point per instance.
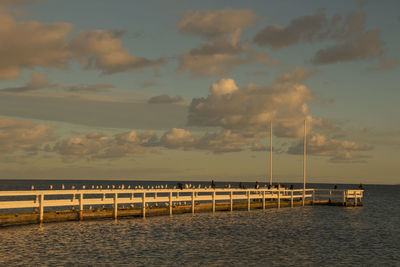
[(385, 65), (217, 57), (219, 142), (21, 135), (98, 146), (312, 28), (88, 87), (224, 50), (337, 150), (252, 107), (258, 73), (305, 28), (37, 82), (148, 84), (349, 157), (164, 99), (213, 24), (352, 41), (353, 25), (29, 44), (105, 111), (177, 138), (103, 50), (362, 47)]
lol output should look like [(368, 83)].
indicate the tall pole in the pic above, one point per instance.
[(304, 160), (270, 153)]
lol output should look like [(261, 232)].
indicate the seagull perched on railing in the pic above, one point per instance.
[(32, 187), (51, 187)]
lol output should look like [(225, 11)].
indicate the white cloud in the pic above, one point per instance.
[(337, 150), (21, 135), (37, 82), (213, 24), (224, 49), (252, 107), (98, 146), (164, 99), (30, 44), (103, 50)]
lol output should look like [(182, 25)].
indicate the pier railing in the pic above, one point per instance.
[(82, 198)]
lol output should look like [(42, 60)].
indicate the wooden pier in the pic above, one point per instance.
[(104, 203)]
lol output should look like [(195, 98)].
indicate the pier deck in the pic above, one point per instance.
[(114, 203)]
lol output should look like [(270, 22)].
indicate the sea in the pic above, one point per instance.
[(300, 236)]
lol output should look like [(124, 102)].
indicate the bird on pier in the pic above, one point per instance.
[(129, 187), (73, 187), (62, 187), (32, 187), (122, 187), (83, 186), (108, 187), (92, 186), (51, 187), (113, 186), (101, 187)]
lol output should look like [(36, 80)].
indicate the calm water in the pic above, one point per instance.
[(318, 236)]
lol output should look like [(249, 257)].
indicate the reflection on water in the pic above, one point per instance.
[(300, 236)]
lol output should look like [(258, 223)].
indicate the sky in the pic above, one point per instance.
[(187, 90)]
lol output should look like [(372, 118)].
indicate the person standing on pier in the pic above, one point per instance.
[(212, 184)]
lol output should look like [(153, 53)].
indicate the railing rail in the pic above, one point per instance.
[(141, 197)]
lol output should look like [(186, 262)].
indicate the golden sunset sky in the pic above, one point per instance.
[(185, 90)]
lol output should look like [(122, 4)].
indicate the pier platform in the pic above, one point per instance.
[(41, 206)]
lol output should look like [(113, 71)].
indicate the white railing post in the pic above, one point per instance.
[(81, 206), (291, 199), (193, 202), (263, 200), (231, 200), (355, 199), (170, 203), (144, 205), (248, 200), (213, 201), (41, 208), (279, 197), (115, 205), (313, 197)]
